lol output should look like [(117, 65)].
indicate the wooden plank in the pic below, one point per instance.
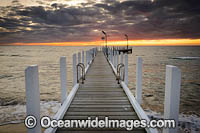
[(107, 131), (100, 85), (100, 93), (100, 90), (99, 109), (116, 117), (100, 98), (101, 103), (100, 113), (94, 87), (102, 106), (97, 102), (102, 129)]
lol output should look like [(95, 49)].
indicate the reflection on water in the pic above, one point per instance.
[(14, 60)]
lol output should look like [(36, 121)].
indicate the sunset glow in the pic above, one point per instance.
[(163, 42)]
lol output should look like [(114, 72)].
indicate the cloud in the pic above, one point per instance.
[(139, 19)]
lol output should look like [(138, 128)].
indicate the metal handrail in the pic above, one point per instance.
[(119, 67), (82, 66)]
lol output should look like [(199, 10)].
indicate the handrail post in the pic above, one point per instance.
[(74, 69), (33, 96), (126, 69), (63, 79), (83, 57), (139, 80), (81, 65), (172, 96), (79, 61)]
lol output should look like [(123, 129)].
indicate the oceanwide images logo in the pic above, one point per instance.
[(47, 122)]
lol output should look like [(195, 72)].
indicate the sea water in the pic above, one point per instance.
[(14, 60)]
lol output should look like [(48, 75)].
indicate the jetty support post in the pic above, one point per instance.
[(96, 49), (93, 52), (89, 55), (111, 56), (117, 60), (74, 70), (172, 96), (126, 69), (83, 57), (63, 78), (110, 52), (121, 61), (139, 80), (33, 96), (86, 59), (79, 61), (107, 53)]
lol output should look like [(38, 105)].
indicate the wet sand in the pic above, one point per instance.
[(17, 128)]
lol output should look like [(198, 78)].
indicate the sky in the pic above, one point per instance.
[(60, 22)]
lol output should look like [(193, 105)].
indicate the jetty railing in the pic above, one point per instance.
[(172, 88), (33, 90), (80, 65)]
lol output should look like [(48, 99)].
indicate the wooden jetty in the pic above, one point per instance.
[(100, 90), (100, 96)]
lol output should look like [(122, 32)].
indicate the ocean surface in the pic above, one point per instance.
[(14, 60)]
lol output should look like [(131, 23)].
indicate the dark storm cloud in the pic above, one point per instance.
[(140, 19)]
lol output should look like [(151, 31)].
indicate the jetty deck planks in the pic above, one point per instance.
[(100, 96)]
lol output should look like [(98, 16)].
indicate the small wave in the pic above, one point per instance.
[(13, 114), (5, 76), (186, 58)]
